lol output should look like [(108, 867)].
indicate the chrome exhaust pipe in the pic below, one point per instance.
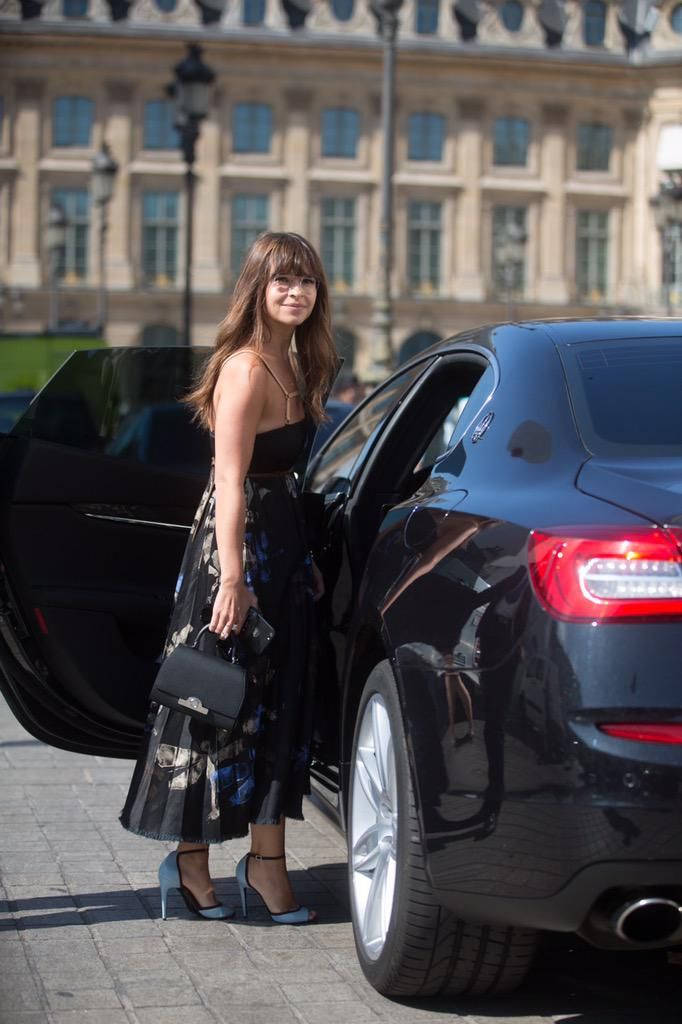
[(648, 920)]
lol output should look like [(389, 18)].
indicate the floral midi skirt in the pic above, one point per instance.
[(196, 783)]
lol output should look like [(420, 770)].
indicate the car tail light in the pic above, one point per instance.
[(645, 732), (607, 573)]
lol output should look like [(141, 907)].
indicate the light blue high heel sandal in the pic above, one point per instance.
[(169, 878), (299, 915)]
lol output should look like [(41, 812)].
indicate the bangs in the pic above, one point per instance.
[(289, 256)]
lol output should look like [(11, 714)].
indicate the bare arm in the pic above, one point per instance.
[(238, 403)]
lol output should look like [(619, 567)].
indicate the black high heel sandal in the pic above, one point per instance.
[(299, 915), (170, 878)]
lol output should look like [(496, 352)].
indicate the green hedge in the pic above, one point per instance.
[(26, 363)]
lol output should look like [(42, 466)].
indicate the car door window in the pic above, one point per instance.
[(123, 403), (340, 460), (459, 416)]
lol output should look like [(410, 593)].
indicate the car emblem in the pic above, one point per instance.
[(481, 427)]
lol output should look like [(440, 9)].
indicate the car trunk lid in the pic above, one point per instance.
[(648, 487)]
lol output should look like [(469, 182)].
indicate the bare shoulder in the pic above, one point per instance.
[(242, 372)]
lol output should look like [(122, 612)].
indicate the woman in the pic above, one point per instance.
[(193, 783)]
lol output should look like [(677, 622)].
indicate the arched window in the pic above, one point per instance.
[(343, 9), (345, 343), (676, 19), (511, 15), (166, 5), (594, 22), (416, 343), (159, 334)]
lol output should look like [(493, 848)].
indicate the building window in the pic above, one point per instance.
[(253, 12), (511, 15), (159, 238), (509, 249), (72, 265), (251, 128), (167, 6), (594, 22), (426, 17), (676, 19), (594, 147), (250, 218), (338, 241), (340, 129), (343, 9), (159, 131), (672, 264), (510, 142), (74, 8), (425, 134), (423, 245), (72, 121), (592, 250)]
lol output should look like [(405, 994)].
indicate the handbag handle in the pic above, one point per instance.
[(233, 646)]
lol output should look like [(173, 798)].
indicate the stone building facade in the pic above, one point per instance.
[(524, 171)]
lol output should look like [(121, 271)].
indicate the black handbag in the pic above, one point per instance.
[(203, 685)]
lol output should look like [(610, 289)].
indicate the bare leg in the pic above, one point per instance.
[(194, 873), (269, 877)]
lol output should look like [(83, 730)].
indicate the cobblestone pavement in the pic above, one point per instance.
[(81, 938)]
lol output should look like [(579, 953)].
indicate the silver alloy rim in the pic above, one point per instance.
[(373, 828)]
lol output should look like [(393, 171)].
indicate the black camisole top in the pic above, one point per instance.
[(277, 450)]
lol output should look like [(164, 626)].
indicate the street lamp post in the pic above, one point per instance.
[(667, 207), (104, 169), (191, 92), (56, 241), (386, 13)]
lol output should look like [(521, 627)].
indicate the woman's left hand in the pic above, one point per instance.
[(318, 583)]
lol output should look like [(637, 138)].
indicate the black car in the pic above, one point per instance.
[(12, 405), (500, 729)]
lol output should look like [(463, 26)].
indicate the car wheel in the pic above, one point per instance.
[(407, 943)]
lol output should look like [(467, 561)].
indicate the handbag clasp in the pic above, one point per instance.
[(194, 703)]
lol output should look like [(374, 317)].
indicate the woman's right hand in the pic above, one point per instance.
[(230, 608)]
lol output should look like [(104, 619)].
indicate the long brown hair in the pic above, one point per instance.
[(246, 323)]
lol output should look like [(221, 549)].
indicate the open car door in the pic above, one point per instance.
[(99, 482)]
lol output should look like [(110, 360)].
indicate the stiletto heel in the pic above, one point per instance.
[(240, 875), (299, 915), (170, 878)]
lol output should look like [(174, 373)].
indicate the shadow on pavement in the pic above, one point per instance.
[(573, 983), (64, 910)]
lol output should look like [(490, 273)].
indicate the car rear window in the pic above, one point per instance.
[(627, 395)]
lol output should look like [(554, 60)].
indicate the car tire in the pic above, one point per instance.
[(407, 944)]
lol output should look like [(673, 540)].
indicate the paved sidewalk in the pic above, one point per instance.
[(81, 938)]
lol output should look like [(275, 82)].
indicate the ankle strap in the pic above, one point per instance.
[(260, 856)]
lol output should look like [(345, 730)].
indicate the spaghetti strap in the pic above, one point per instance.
[(288, 395)]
